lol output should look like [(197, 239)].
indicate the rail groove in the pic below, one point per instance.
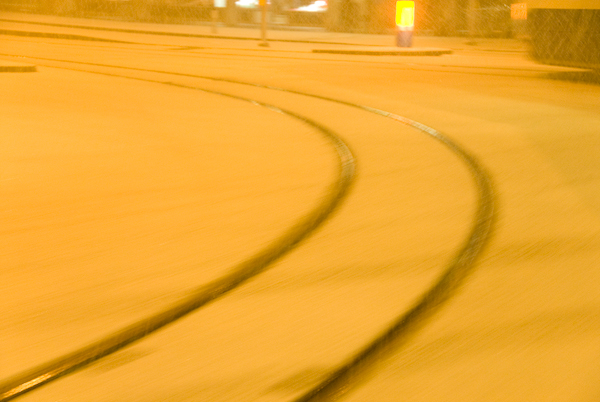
[(358, 368), (64, 365)]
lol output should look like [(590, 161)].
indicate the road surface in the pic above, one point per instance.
[(122, 195)]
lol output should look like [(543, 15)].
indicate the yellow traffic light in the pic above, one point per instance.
[(405, 15)]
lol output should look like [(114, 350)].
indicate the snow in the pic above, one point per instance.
[(120, 196)]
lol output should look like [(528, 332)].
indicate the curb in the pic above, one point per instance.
[(387, 51), (55, 36), (12, 67)]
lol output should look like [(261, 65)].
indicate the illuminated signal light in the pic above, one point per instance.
[(405, 20), (405, 15)]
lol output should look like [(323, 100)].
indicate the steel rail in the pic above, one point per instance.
[(348, 375), (255, 265), (356, 370), (361, 365)]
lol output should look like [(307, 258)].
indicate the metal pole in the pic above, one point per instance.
[(263, 20), (214, 14), (473, 18)]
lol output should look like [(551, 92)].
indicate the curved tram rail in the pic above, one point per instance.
[(358, 367)]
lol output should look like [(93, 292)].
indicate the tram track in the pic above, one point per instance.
[(358, 367), (206, 294)]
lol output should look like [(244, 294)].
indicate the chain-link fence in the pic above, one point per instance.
[(566, 36)]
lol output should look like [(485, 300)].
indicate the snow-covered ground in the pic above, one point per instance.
[(120, 196)]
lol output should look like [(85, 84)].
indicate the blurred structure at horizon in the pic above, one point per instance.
[(482, 18)]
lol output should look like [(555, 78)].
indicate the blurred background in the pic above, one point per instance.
[(488, 18)]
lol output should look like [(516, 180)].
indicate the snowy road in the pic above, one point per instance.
[(121, 196)]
